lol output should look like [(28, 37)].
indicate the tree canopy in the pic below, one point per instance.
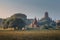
[(16, 23)]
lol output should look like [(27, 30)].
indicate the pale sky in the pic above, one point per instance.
[(31, 8)]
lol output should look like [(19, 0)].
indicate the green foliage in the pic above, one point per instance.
[(16, 23), (5, 23)]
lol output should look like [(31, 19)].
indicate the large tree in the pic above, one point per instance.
[(17, 23)]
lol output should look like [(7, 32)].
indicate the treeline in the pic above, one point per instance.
[(13, 22)]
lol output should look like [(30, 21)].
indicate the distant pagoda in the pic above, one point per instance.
[(34, 24), (47, 21)]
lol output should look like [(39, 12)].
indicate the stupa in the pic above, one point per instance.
[(47, 21), (34, 24)]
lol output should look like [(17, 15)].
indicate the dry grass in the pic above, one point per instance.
[(30, 35)]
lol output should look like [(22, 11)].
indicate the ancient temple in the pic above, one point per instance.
[(44, 23), (47, 21), (34, 24)]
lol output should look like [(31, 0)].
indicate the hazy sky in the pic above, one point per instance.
[(31, 8)]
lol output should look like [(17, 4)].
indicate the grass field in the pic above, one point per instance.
[(30, 35)]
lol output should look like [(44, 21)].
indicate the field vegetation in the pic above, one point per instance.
[(30, 35)]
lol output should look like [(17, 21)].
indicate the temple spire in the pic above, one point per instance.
[(35, 23), (46, 15)]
